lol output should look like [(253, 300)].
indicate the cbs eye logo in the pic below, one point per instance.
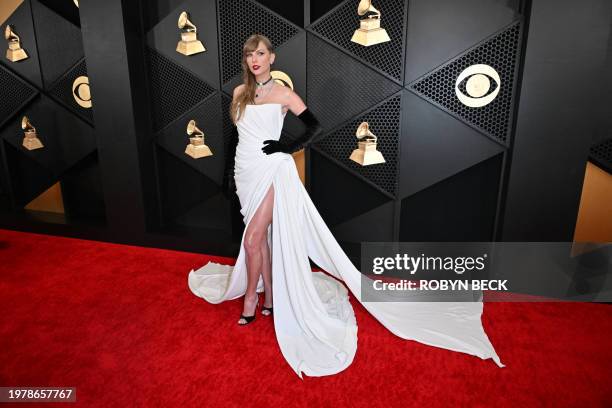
[(477, 85), (81, 93)]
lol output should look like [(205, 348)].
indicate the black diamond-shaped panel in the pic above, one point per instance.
[(174, 90), (207, 115), (339, 25), (15, 93), (384, 122), (336, 95), (21, 21), (165, 36), (500, 52), (62, 91), (60, 44), (601, 153), (66, 138), (238, 19), (29, 178)]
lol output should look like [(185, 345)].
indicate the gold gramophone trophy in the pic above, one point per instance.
[(366, 152), (30, 140), (196, 148), (14, 52), (369, 31), (189, 43)]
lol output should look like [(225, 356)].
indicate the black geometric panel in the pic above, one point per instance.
[(207, 115), (28, 178), (21, 21), (62, 91), (60, 44), (460, 208), (373, 225), (293, 13), (601, 154), (66, 138), (318, 8), (352, 196), (15, 93), (501, 52), (339, 25), (336, 95), (66, 9), (174, 90), (183, 188), (238, 19), (436, 146), (384, 122), (82, 189), (166, 34), (228, 127), (439, 29)]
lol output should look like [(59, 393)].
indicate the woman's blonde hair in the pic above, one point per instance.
[(248, 94)]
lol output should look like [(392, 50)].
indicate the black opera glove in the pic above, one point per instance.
[(313, 129), (229, 186)]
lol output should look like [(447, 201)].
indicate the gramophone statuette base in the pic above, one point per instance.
[(32, 143), (370, 32), (367, 154), (189, 44), (16, 55), (198, 151), (190, 48)]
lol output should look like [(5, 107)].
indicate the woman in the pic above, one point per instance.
[(314, 321)]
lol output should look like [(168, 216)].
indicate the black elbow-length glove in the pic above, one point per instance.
[(228, 185), (313, 129)]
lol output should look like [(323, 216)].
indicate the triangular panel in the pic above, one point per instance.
[(340, 23), (238, 19), (501, 52)]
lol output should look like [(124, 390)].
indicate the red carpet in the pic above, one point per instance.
[(120, 324)]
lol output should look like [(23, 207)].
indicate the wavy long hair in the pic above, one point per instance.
[(248, 79)]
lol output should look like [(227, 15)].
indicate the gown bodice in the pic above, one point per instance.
[(261, 122)]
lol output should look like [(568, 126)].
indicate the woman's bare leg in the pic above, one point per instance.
[(255, 233), (266, 271)]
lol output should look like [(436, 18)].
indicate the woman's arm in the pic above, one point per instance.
[(313, 128)]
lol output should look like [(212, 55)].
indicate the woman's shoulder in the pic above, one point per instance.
[(238, 89)]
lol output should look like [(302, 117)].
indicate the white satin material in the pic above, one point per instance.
[(314, 322)]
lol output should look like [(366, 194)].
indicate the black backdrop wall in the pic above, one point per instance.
[(511, 170)]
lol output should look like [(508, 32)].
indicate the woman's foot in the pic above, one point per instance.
[(250, 307), (266, 309)]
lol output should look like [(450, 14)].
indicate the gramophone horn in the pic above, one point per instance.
[(26, 125), (185, 23), (365, 6), (364, 131), (10, 35), (192, 129)]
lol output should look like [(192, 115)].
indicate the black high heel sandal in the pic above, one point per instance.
[(249, 319), (266, 309)]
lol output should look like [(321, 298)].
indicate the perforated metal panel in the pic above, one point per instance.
[(339, 25), (228, 126), (174, 90), (336, 95), (14, 94), (602, 154), (501, 52), (62, 91), (384, 122), (238, 19), (60, 44)]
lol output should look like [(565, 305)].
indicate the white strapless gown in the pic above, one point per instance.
[(314, 322)]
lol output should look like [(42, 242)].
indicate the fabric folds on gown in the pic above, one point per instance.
[(314, 321)]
